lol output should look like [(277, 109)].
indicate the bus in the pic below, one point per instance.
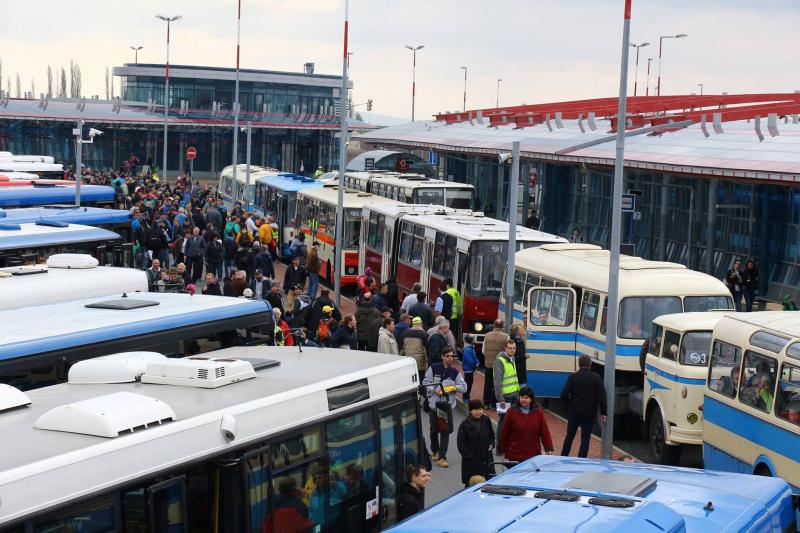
[(751, 404), (116, 220), (316, 212), (243, 194), (413, 188), (276, 195), (33, 242), (568, 494), (675, 366), (246, 439), (65, 277), (43, 169), (35, 352), (469, 248), (34, 195), (560, 293)]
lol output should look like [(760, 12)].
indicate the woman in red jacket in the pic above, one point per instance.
[(524, 432)]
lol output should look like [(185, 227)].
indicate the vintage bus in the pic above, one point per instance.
[(240, 192), (560, 292), (276, 195), (316, 212), (469, 248), (413, 188), (228, 442), (751, 407), (33, 195), (34, 242)]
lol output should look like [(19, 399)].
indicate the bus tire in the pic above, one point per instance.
[(662, 453)]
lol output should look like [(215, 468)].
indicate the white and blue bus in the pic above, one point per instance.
[(240, 191), (567, 494), (116, 220), (40, 343), (248, 439), (34, 242), (33, 195)]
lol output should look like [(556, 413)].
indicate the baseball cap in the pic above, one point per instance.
[(416, 320), (327, 309)]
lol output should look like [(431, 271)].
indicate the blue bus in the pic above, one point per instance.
[(31, 243), (277, 196), (116, 220), (91, 195), (555, 494), (41, 342)]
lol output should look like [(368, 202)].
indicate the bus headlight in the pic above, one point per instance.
[(691, 418), (350, 271), (478, 327)]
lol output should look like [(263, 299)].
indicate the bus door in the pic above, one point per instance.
[(166, 504), (551, 338), (387, 271), (426, 268)]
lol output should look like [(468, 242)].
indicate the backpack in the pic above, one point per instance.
[(323, 331)]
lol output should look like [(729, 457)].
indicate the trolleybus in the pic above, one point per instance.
[(243, 193), (33, 195), (413, 188), (247, 439)]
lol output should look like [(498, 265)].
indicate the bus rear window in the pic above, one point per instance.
[(637, 313), (429, 196), (459, 198), (706, 303)]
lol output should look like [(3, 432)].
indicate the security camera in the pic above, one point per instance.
[(504, 158), (93, 132), (228, 427)]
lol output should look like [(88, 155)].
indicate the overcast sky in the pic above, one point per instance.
[(543, 50)]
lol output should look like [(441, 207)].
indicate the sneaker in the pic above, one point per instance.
[(434, 457), (442, 462)]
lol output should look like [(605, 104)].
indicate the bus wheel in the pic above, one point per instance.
[(663, 453)]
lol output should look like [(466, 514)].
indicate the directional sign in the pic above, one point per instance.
[(628, 205), (191, 153)]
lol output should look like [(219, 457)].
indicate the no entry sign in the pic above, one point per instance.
[(191, 153)]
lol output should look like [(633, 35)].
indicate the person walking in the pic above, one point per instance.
[(295, 276), (195, 252), (411, 494), (438, 342), (366, 314), (411, 299), (469, 363), (493, 343), (733, 279), (524, 433), (345, 334), (386, 340), (750, 284), (521, 356), (583, 394), (442, 381), (506, 386), (475, 441), (313, 265), (415, 345)]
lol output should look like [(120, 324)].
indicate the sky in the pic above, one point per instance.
[(544, 51)]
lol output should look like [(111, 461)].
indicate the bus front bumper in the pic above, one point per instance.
[(680, 435)]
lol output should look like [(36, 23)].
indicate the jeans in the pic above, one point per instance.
[(216, 268), (439, 441), (195, 267), (737, 300), (749, 298), (468, 377), (313, 284), (573, 423), (488, 389)]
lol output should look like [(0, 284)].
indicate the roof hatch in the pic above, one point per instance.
[(11, 398), (107, 416), (122, 304), (203, 372), (72, 261), (125, 367), (614, 483)]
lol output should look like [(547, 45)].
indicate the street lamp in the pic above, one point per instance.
[(660, 45), (136, 52), (465, 87), (348, 59), (497, 101), (701, 88), (647, 85), (235, 154), (168, 20), (414, 75), (636, 77)]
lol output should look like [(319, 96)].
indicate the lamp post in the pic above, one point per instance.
[(136, 53), (338, 266), (414, 75), (647, 85), (660, 45), (636, 76), (497, 100), (465, 87), (701, 88), (168, 20), (235, 155)]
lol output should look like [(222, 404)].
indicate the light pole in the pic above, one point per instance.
[(235, 155), (636, 76), (338, 266), (497, 100), (79, 142), (660, 45), (465, 87), (647, 85), (136, 52), (168, 20), (701, 88), (414, 75)]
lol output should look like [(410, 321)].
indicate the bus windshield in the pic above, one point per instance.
[(459, 198), (695, 347), (429, 196), (706, 303), (636, 314), (487, 268)]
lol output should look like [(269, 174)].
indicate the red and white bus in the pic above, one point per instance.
[(316, 212), (413, 188), (425, 245)]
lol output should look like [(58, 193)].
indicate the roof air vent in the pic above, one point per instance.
[(122, 304), (125, 367), (203, 372), (72, 261), (11, 398), (107, 416)]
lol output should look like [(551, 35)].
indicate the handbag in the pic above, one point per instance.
[(444, 417)]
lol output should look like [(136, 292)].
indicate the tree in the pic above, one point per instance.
[(62, 91), (108, 85), (8, 87), (75, 79), (33, 89), (49, 81), (19, 87)]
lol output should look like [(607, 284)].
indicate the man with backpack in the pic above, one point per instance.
[(325, 327), (315, 315)]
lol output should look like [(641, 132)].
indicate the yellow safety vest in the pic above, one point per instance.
[(278, 332), (275, 235), (456, 296), (510, 382)]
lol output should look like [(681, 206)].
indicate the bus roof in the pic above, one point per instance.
[(417, 180), (25, 333), (586, 265), (32, 234), (694, 321), (57, 194), (476, 226), (241, 172), (298, 389), (89, 216), (288, 182), (330, 194), (359, 161), (787, 323), (558, 491), (52, 285), (394, 210)]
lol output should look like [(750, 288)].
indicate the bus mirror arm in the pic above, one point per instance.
[(228, 427)]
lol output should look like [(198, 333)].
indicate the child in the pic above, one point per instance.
[(469, 362)]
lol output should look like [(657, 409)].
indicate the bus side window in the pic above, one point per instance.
[(788, 406), (551, 307), (671, 339), (757, 386), (589, 313), (654, 347), (519, 286), (725, 369)]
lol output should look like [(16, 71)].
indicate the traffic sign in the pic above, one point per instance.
[(628, 205), (191, 153)]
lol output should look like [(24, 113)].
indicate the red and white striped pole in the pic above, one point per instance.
[(338, 259), (235, 156), (616, 223)]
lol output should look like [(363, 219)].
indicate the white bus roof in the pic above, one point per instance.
[(395, 210), (586, 265), (417, 180), (781, 322), (329, 194), (31, 234), (694, 321), (359, 161), (241, 172), (55, 285), (276, 399), (478, 227)]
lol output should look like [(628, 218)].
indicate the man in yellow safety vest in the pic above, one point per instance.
[(506, 385)]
